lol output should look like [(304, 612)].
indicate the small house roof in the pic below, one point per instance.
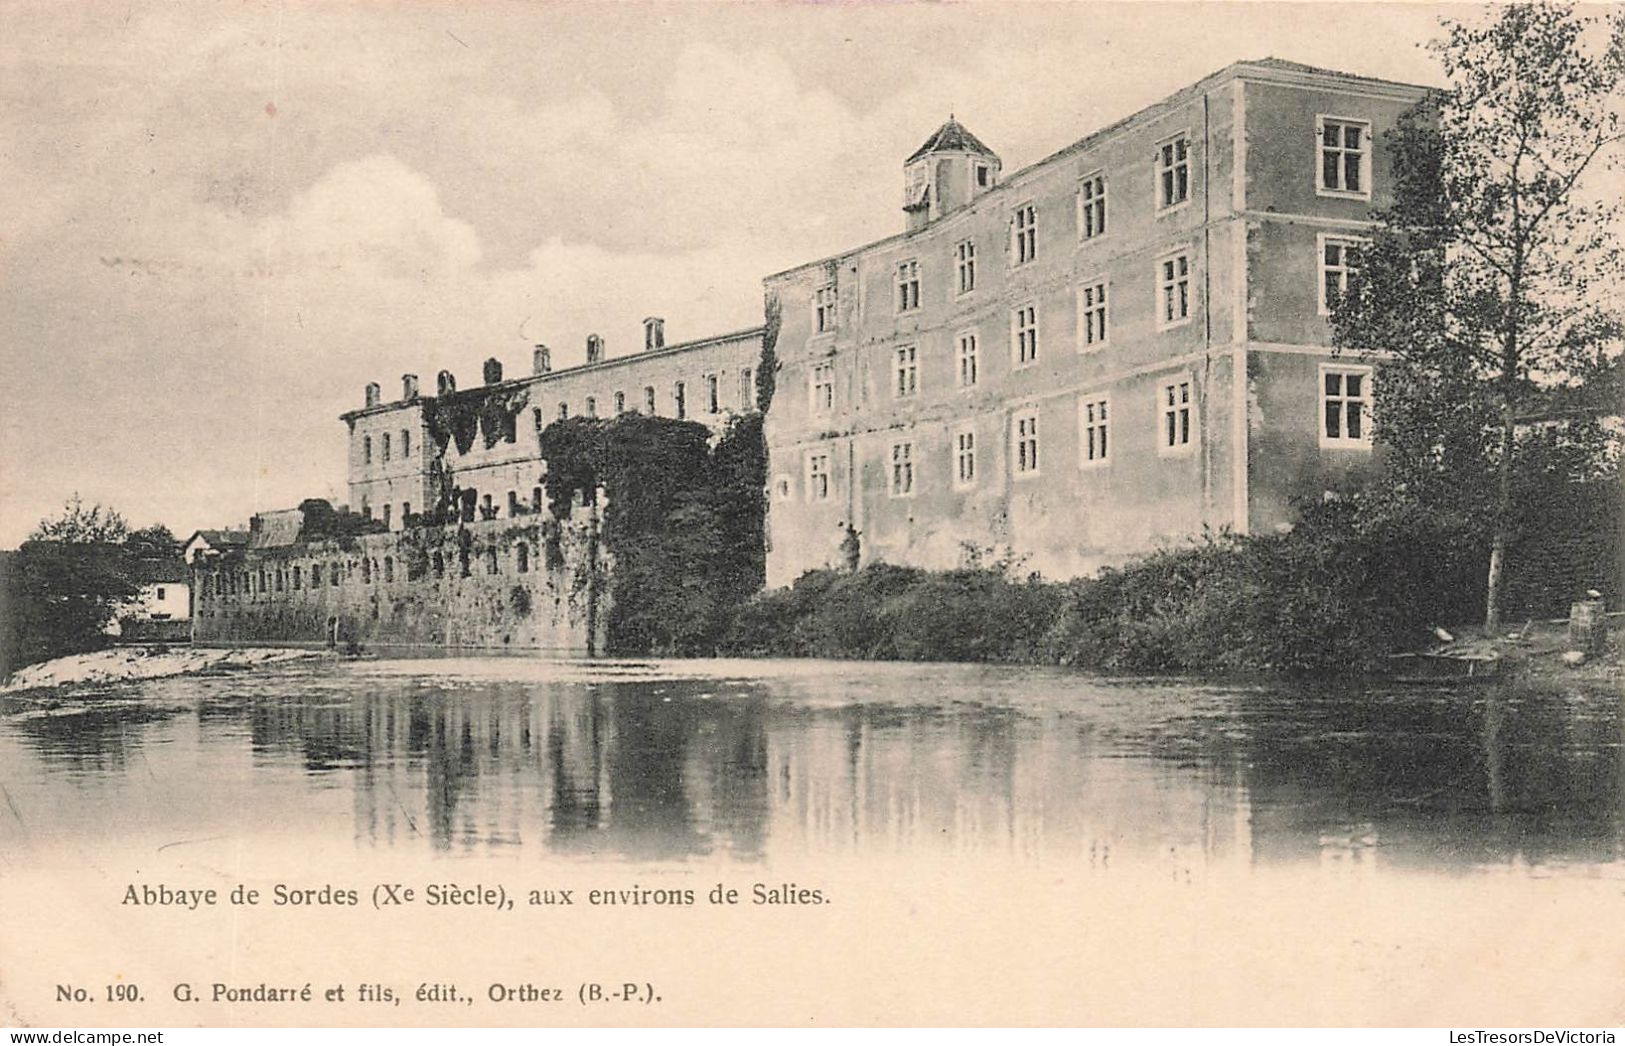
[(160, 571)]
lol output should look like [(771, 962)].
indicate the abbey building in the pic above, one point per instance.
[(1120, 346)]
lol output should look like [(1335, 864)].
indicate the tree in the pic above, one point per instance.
[(80, 525), (63, 585), (1486, 281), (153, 542)]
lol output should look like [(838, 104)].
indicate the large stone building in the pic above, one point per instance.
[(447, 541), (1121, 345), (480, 445)]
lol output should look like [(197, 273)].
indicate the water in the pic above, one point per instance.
[(747, 763)]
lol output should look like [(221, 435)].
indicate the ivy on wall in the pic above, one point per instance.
[(488, 413), (682, 519)]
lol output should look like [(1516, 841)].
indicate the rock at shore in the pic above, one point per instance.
[(121, 663)]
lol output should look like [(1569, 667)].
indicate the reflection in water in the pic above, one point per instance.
[(849, 759)]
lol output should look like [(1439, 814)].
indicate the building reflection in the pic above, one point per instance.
[(1181, 780)]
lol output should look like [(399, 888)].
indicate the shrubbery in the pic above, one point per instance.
[(1356, 579), (1360, 576)]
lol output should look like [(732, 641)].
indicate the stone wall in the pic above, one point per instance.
[(523, 585)]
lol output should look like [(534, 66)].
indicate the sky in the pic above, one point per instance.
[(221, 220)]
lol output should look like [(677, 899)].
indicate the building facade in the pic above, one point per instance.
[(480, 447), (448, 541), (1120, 346)]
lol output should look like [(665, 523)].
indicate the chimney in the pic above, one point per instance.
[(445, 383), (409, 386), (372, 394), (493, 371), (541, 361), (654, 333), (595, 349)]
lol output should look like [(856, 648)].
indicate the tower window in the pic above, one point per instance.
[(1026, 230), (824, 302), (908, 372), (1024, 333), (902, 469), (1173, 172), (823, 388), (967, 359), (1092, 314), (1025, 451), (908, 286), (1345, 156), (1174, 289), (1093, 424), (1178, 409), (1345, 406), (1092, 206), (965, 458), (965, 266)]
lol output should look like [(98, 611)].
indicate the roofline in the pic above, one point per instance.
[(537, 379), (1253, 70)]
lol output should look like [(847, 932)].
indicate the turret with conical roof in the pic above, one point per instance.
[(947, 172)]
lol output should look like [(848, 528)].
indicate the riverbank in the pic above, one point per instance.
[(126, 663)]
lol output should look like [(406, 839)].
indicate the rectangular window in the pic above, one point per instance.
[(649, 400), (1178, 412), (386, 446), (818, 477), (1339, 256), (1173, 289), (713, 394), (1092, 206), (1093, 446), (1024, 333), (406, 443), (747, 390), (908, 286), (406, 510), (1026, 228), (965, 458), (907, 371), (366, 449), (1024, 455), (564, 411), (1092, 314), (823, 388), (967, 359), (902, 470), (824, 302), (1345, 157), (1173, 172), (592, 406), (679, 395), (1345, 406), (620, 403), (965, 266), (387, 514)]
